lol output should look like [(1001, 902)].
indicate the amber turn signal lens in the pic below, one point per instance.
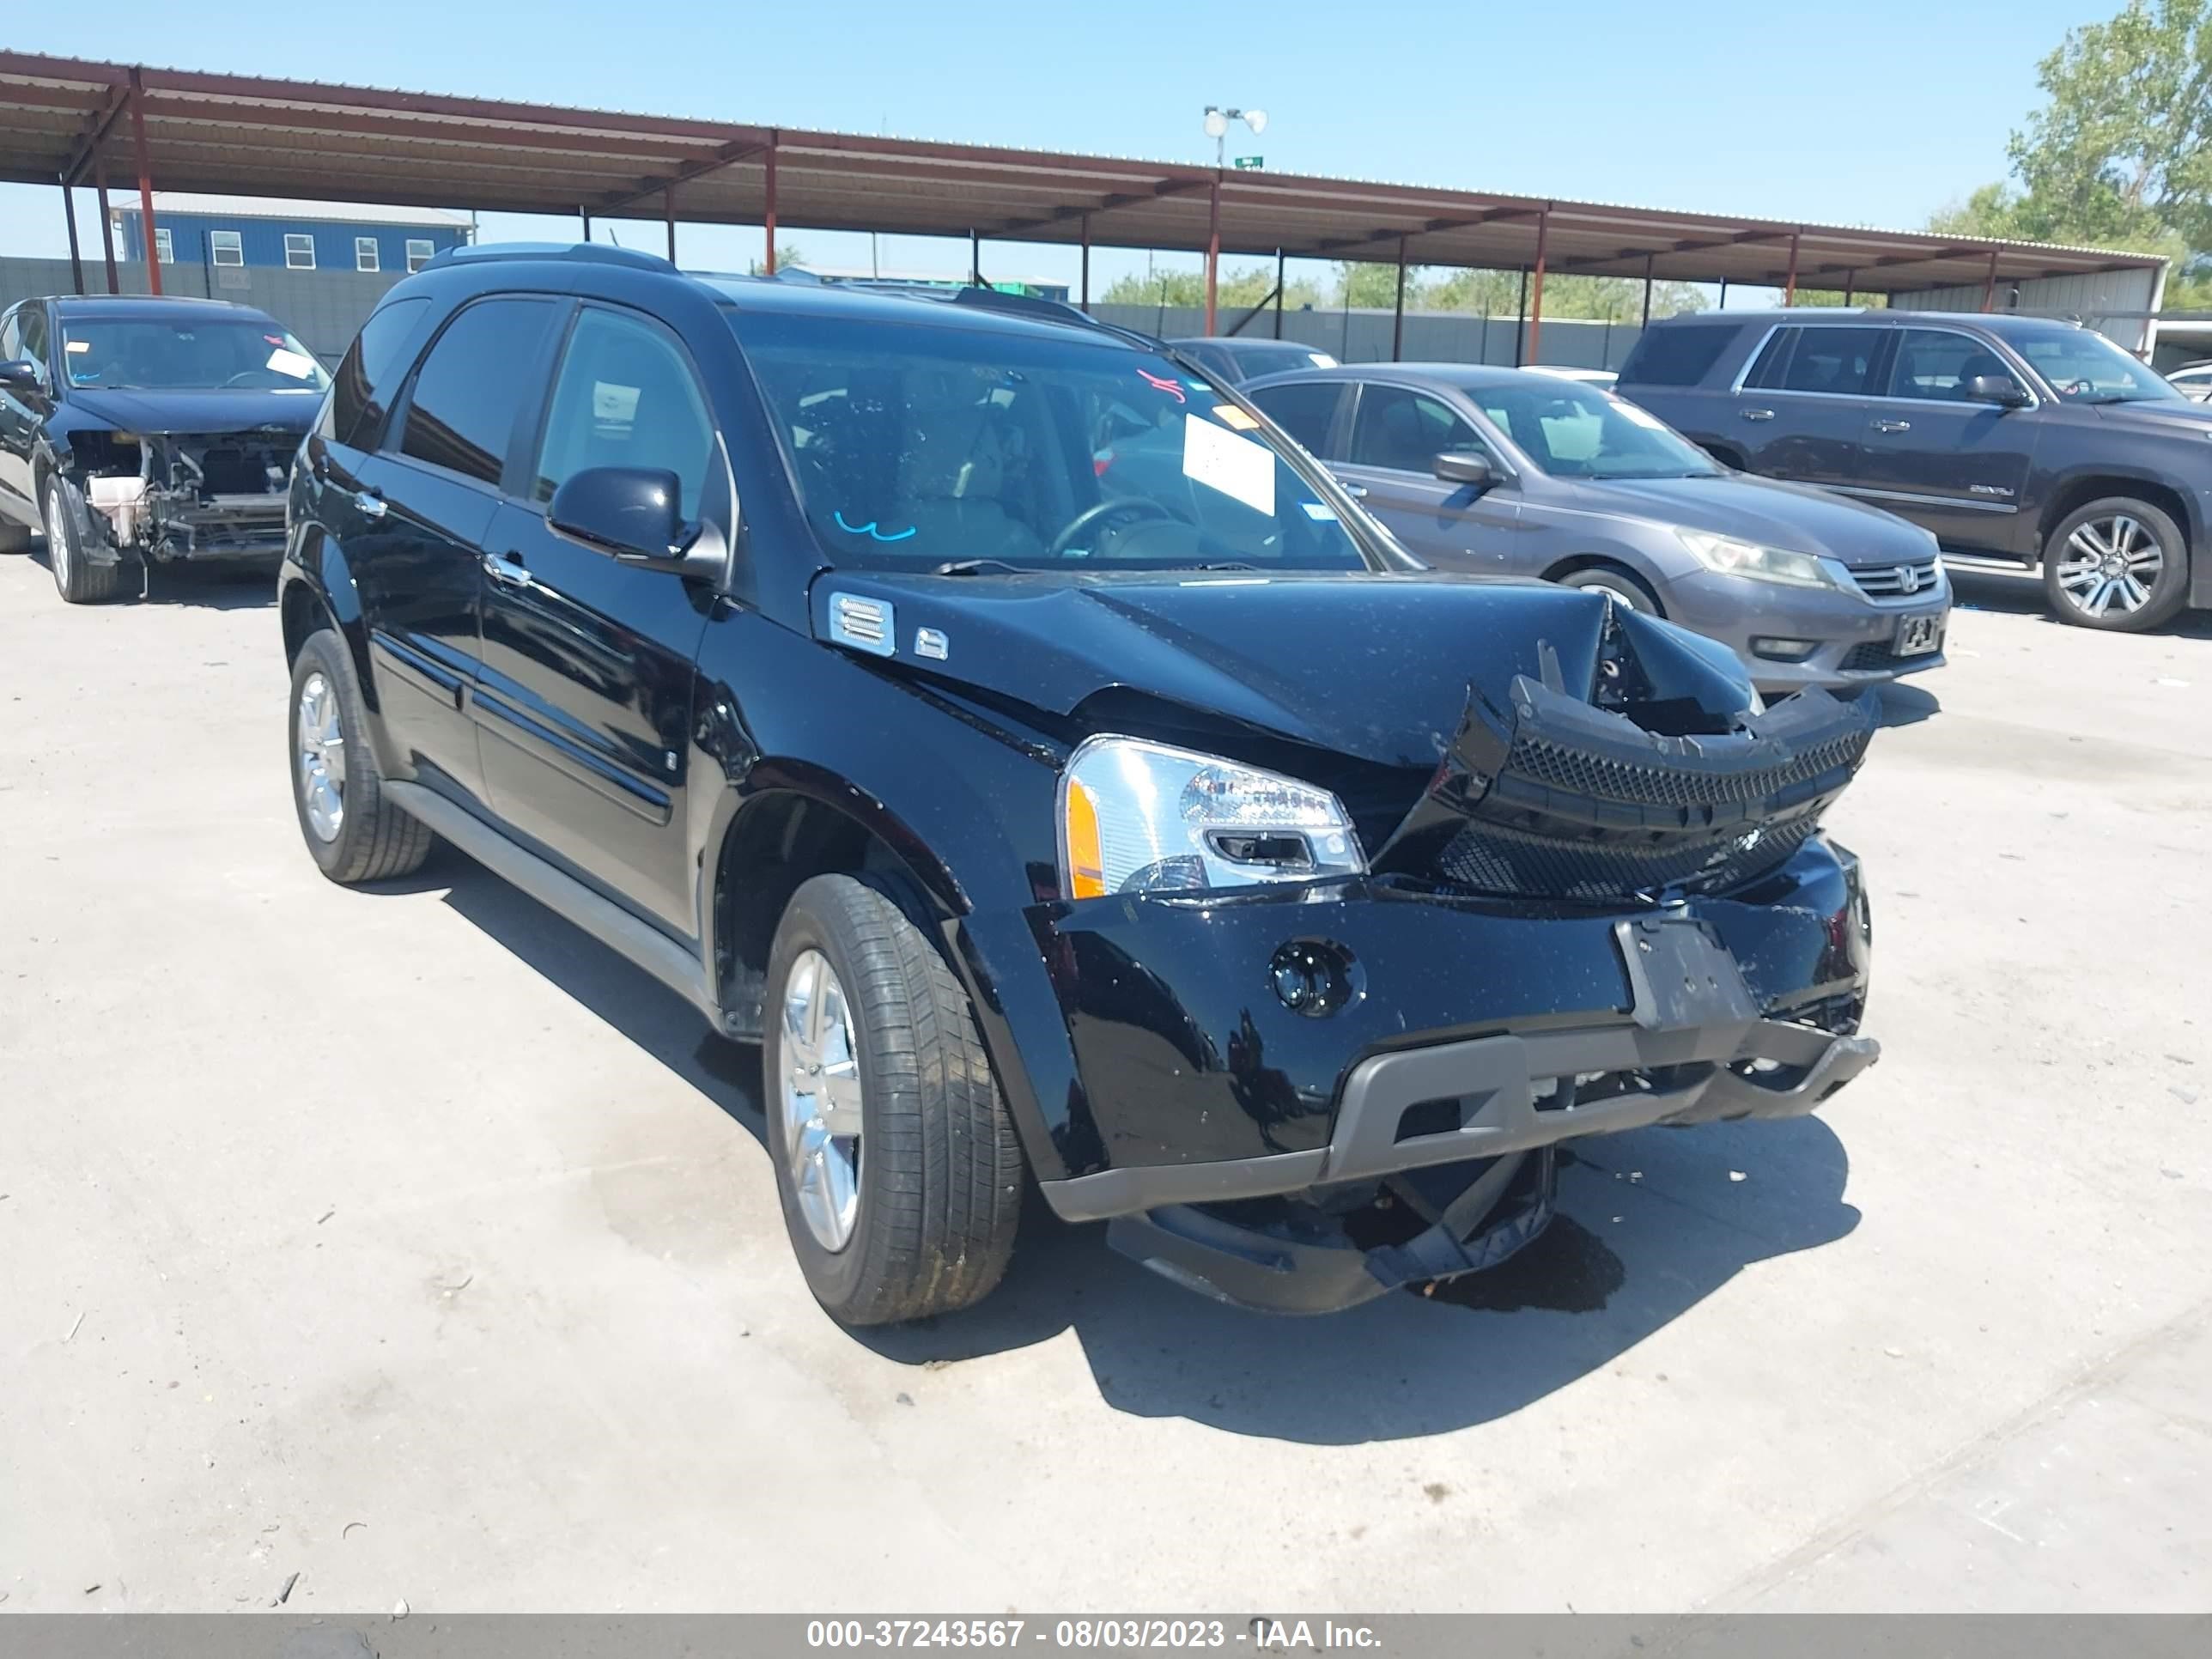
[(1086, 866)]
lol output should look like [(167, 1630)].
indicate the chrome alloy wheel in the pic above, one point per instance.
[(321, 744), (818, 1079), (57, 541), (2111, 563)]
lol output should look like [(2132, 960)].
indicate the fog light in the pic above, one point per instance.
[(1780, 650)]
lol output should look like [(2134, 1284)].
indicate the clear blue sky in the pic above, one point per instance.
[(1877, 111)]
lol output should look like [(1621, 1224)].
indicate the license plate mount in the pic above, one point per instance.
[(1916, 637)]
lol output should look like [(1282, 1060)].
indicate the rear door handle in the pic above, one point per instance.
[(370, 504), (506, 569), (1892, 426), (1356, 491), (1758, 414)]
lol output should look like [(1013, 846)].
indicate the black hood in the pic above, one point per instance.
[(186, 413), (1379, 667)]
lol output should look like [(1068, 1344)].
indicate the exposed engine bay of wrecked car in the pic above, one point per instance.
[(164, 496)]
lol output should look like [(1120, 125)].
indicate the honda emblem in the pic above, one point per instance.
[(1908, 579)]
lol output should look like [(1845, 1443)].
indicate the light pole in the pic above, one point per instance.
[(1217, 128)]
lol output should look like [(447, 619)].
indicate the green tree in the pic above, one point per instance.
[(2120, 155), (1238, 289), (787, 254)]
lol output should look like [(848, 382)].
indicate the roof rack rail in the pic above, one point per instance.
[(597, 252), (1060, 311)]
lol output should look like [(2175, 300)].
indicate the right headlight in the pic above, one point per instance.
[(1144, 817), (1732, 557)]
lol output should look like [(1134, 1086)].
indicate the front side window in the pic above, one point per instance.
[(299, 250), (625, 397), (1304, 409), (471, 390), (918, 444), (1406, 431), (165, 245), (2083, 367), (419, 251), (1571, 430), (364, 254), (187, 353), (225, 247), (34, 333), (11, 338)]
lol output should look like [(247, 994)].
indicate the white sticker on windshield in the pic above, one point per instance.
[(1318, 513), (285, 361), (78, 345), (1641, 415), (1236, 466)]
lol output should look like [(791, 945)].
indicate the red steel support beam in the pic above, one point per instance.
[(1789, 282), (69, 217), (1398, 310), (668, 218), (106, 224), (145, 182), (1212, 250), (1990, 286), (1536, 299), (1086, 263), (768, 174)]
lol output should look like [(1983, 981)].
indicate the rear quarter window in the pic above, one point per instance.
[(1679, 355), (371, 367)]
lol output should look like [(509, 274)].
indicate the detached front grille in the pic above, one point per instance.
[(1898, 581), (1564, 801)]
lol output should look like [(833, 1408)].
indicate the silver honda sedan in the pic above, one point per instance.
[(1520, 473)]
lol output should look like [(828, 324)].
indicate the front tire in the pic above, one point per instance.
[(895, 1161), (2116, 564), (1630, 589), (352, 831), (79, 580)]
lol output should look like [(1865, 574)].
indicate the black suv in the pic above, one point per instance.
[(2019, 437), (1169, 837), (137, 431)]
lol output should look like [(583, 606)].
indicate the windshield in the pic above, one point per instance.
[(2083, 367), (1571, 430), (187, 354), (920, 447)]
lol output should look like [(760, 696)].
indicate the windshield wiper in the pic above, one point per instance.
[(977, 567), (1226, 564)]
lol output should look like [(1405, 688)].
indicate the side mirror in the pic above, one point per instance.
[(1466, 466), (1999, 389), (633, 514), (21, 374)]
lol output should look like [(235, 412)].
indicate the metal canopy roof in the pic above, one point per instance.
[(249, 135)]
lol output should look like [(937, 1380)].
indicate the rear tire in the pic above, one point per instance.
[(69, 530), (2116, 564), (352, 831), (868, 1030), (1624, 586)]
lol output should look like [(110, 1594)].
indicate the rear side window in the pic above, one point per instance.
[(1838, 361), (1679, 355), (473, 386), (373, 365), (1305, 410)]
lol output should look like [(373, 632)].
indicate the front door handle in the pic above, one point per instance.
[(506, 569), (1892, 426), (1758, 414), (1356, 491), (370, 504)]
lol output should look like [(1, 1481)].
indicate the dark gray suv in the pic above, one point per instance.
[(2019, 437)]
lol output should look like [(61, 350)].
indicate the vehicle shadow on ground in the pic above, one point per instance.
[(1650, 1224), (1906, 705), (2022, 596), (212, 587)]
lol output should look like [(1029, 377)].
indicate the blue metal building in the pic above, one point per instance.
[(265, 232)]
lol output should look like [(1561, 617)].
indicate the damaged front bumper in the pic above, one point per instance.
[(1376, 1048), (197, 497)]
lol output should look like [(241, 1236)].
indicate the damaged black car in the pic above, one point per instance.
[(136, 432), (1156, 834)]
